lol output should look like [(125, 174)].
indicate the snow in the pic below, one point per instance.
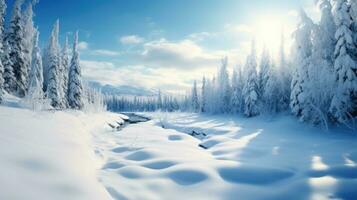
[(247, 159), (49, 155), (76, 155)]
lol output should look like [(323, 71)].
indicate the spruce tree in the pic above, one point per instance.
[(204, 95), (264, 70), (28, 34), (36, 72), (250, 91), (75, 88), (15, 40), (53, 90), (344, 102), (194, 98), (65, 69), (2, 70), (302, 62)]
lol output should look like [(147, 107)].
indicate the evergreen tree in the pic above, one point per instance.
[(159, 104), (9, 76), (28, 34), (303, 51), (273, 91), (75, 87), (15, 40), (53, 90), (237, 90), (250, 91), (344, 102), (320, 73), (64, 70), (224, 90), (194, 101), (264, 70), (36, 75), (204, 95), (2, 70)]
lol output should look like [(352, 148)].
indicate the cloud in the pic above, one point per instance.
[(131, 39), (200, 36), (83, 45), (169, 80), (104, 52), (184, 54)]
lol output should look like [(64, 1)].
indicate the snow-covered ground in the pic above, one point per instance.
[(246, 159), (47, 155), (75, 155)]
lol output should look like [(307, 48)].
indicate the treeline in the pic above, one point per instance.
[(52, 76), (317, 84)]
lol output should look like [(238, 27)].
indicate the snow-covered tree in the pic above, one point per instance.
[(354, 17), (53, 89), (64, 69), (9, 76), (272, 92), (302, 62), (194, 98), (28, 34), (159, 100), (15, 38), (75, 88), (204, 95), (36, 75), (223, 89), (2, 24), (237, 90), (344, 103), (264, 67), (319, 85), (250, 90)]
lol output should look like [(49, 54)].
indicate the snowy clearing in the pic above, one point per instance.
[(75, 155), (245, 159)]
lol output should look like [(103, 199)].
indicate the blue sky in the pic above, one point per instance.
[(165, 43)]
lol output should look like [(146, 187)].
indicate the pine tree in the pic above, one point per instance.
[(237, 90), (2, 70), (15, 40), (319, 88), (224, 90), (53, 91), (194, 101), (36, 74), (302, 62), (250, 91), (9, 76), (344, 102), (65, 69), (354, 17), (204, 95), (264, 70), (159, 101), (273, 91), (28, 34), (75, 88)]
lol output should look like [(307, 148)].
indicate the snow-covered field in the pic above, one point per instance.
[(246, 159), (75, 155)]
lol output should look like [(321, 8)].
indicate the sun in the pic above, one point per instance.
[(268, 32)]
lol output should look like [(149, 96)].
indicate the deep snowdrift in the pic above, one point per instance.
[(49, 155)]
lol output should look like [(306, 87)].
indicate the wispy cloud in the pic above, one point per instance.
[(105, 52), (83, 45), (131, 39)]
